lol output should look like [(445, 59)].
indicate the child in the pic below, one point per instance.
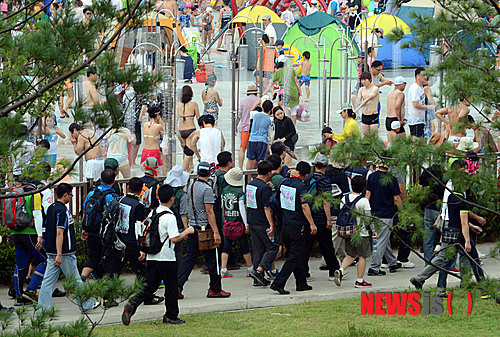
[(363, 249), (52, 132), (161, 266), (185, 17), (305, 77), (208, 26), (233, 210), (369, 57), (327, 135)]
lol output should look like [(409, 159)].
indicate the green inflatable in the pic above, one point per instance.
[(312, 25)]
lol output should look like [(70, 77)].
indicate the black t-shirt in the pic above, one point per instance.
[(291, 194), (353, 3), (58, 216), (131, 211), (258, 195), (322, 185), (455, 207), (382, 194), (339, 178), (437, 190)]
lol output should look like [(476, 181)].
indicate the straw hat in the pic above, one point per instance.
[(252, 89), (177, 177), (234, 177)]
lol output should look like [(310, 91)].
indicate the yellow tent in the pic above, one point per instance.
[(255, 14), (385, 21)]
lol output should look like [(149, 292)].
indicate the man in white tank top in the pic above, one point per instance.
[(210, 138)]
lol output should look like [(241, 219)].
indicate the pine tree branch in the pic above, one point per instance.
[(452, 50), (494, 4), (75, 70)]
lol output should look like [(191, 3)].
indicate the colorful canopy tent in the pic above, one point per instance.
[(311, 26), (421, 7), (392, 56), (255, 14)]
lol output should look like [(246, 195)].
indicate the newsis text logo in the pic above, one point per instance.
[(413, 303)]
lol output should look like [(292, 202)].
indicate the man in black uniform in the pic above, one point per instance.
[(296, 214)]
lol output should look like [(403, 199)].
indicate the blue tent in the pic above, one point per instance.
[(404, 57)]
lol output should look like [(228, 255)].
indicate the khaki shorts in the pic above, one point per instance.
[(363, 249)]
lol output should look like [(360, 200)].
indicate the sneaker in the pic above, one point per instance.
[(225, 274), (221, 294), (384, 266), (259, 277), (272, 274), (257, 284), (179, 294), (96, 305), (167, 320), (162, 285), (363, 284), (155, 300), (407, 264), (128, 312), (19, 301), (12, 293), (394, 268), (337, 278), (485, 295), (31, 296), (456, 271), (372, 272), (58, 293), (204, 270), (416, 283), (110, 304), (442, 294), (310, 279), (481, 255), (354, 263)]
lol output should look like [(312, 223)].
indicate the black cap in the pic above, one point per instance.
[(204, 169)]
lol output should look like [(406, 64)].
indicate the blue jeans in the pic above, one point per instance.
[(430, 216), (70, 271)]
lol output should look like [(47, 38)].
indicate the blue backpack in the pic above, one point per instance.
[(94, 209)]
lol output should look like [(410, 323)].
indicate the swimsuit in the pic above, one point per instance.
[(388, 122), (151, 153), (226, 17), (208, 26), (94, 168), (211, 108), (306, 79), (369, 119)]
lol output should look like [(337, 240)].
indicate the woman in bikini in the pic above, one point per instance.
[(211, 98), (187, 111), (153, 131)]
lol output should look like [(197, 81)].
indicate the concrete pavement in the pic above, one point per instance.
[(245, 296)]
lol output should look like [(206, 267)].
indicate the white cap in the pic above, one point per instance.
[(395, 125), (266, 17), (209, 9), (282, 58), (314, 2), (399, 80)]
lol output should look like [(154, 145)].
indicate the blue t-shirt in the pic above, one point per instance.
[(333, 6), (260, 128)]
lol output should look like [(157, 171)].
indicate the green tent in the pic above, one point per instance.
[(311, 26)]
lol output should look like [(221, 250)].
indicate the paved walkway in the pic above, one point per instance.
[(245, 296)]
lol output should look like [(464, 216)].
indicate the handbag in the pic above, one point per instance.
[(206, 240), (303, 112), (451, 234), (233, 230)]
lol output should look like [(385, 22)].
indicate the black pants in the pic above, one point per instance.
[(113, 263), (294, 242), (95, 255), (178, 253), (264, 251), (324, 237), (403, 250), (190, 260), (417, 130), (158, 271)]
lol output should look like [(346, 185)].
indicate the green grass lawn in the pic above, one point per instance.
[(329, 318)]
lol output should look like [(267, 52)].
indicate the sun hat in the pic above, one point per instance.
[(234, 177), (381, 31), (177, 177), (467, 144), (150, 166), (252, 89)]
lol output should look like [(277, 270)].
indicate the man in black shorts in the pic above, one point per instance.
[(395, 110)]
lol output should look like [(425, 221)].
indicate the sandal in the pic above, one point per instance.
[(65, 113)]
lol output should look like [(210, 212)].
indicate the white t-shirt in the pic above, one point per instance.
[(270, 31), (362, 206), (210, 144), (416, 93), (26, 151), (311, 10), (167, 228), (118, 142)]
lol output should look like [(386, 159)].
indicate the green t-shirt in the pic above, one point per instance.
[(27, 230), (293, 91), (275, 180), (230, 197)]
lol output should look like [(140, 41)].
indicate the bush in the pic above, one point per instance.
[(7, 256)]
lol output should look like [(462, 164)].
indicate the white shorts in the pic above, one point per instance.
[(294, 109), (94, 168)]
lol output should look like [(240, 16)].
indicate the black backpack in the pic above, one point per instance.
[(346, 221), (94, 209), (110, 222), (178, 193), (149, 241)]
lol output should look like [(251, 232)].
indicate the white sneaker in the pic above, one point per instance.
[(384, 266), (481, 255), (407, 264), (344, 276), (310, 279)]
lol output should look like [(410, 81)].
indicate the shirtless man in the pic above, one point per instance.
[(368, 99), (81, 140), (90, 94), (396, 109), (455, 114), (167, 7)]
